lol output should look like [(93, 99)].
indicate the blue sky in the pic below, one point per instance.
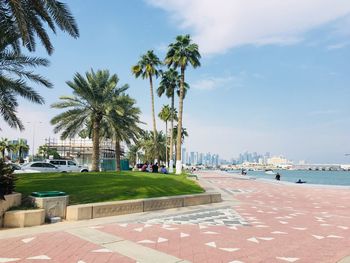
[(274, 77)]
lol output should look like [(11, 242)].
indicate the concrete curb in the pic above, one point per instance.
[(104, 209)]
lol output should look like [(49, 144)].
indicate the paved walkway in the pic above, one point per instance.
[(257, 222)]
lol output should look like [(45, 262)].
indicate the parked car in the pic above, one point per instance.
[(15, 166), (68, 166), (38, 167)]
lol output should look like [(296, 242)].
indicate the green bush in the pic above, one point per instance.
[(7, 179)]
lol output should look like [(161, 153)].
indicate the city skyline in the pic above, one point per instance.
[(281, 87)]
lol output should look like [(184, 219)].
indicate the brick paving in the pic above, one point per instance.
[(55, 247), (273, 222)]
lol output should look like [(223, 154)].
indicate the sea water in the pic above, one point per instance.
[(311, 177)]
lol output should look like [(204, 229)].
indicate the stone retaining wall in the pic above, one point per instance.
[(96, 210), (23, 218), (10, 201)]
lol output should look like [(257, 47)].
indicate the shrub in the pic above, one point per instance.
[(7, 179)]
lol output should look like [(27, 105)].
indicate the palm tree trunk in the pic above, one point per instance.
[(166, 143), (117, 154), (96, 144), (179, 124), (153, 117), (171, 134), (153, 113)]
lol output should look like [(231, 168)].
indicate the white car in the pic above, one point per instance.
[(65, 166), (37, 167)]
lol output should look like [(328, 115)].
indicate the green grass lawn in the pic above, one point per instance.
[(107, 186)]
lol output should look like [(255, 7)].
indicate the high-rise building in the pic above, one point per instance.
[(192, 158), (183, 156)]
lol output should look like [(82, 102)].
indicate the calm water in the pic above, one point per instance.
[(311, 177)]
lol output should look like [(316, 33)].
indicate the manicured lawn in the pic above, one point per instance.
[(107, 186)]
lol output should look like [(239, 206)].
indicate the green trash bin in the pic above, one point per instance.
[(48, 193)]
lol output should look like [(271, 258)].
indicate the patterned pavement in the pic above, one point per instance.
[(56, 247), (273, 223)]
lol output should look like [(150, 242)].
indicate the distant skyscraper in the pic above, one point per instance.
[(183, 156), (192, 158), (200, 158)]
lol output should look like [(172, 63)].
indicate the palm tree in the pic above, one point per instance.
[(11, 147), (153, 148), (120, 124), (165, 115), (21, 147), (133, 152), (3, 145), (30, 18), (6, 145), (15, 71), (180, 54), (44, 150), (147, 67), (91, 103), (169, 84)]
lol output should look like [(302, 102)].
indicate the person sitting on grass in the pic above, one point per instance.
[(144, 167), (155, 168), (149, 167), (163, 170)]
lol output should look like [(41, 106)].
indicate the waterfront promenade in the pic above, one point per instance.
[(257, 222)]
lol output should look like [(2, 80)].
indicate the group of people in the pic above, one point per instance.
[(154, 168)]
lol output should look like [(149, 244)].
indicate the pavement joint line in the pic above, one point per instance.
[(128, 218), (122, 246), (344, 260)]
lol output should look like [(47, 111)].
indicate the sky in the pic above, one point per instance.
[(274, 75)]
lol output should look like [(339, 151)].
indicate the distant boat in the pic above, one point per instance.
[(300, 182), (270, 172)]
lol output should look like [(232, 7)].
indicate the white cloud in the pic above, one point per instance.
[(211, 82), (339, 45), (220, 25)]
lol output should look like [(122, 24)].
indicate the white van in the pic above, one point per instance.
[(68, 166)]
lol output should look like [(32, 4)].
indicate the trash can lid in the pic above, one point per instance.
[(48, 193)]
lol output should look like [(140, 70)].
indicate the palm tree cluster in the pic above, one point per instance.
[(182, 53), (21, 21), (99, 108), (19, 147)]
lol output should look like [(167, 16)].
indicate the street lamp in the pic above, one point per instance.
[(34, 123)]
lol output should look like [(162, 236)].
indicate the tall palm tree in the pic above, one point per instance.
[(165, 115), (180, 54), (148, 67), (169, 84), (120, 124), (30, 18), (15, 71), (90, 103)]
